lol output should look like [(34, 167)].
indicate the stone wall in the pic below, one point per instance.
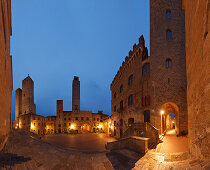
[(6, 84), (197, 16), (138, 144)]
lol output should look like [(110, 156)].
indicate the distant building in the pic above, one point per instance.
[(75, 121), (32, 123), (25, 109)]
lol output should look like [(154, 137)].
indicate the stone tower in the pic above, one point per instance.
[(76, 94), (59, 114), (168, 62), (18, 103), (28, 105)]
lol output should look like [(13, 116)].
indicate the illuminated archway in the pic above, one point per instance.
[(170, 118), (85, 128)]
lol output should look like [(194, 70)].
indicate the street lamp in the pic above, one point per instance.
[(161, 129)]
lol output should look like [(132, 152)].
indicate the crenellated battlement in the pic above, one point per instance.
[(138, 50)]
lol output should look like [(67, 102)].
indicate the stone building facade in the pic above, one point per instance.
[(146, 85), (32, 123), (128, 95), (197, 26), (6, 84)]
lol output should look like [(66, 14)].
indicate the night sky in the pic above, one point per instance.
[(54, 40)]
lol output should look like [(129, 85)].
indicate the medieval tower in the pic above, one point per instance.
[(76, 94), (28, 105), (18, 103), (168, 63)]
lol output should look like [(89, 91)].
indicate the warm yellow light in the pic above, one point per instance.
[(162, 112), (100, 126), (32, 126), (173, 122), (72, 127)]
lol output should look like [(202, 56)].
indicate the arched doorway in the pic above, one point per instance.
[(130, 122), (85, 128), (147, 116), (120, 124), (170, 117)]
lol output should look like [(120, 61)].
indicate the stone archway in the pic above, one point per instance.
[(85, 128), (170, 118)]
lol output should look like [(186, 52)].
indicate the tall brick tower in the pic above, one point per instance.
[(76, 94), (18, 103), (168, 62), (28, 105)]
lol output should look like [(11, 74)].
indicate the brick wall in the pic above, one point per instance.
[(6, 84), (197, 16)]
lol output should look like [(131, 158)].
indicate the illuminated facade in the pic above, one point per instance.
[(32, 123)]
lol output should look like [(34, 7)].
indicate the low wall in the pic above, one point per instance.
[(138, 144)]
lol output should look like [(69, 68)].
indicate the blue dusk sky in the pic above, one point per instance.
[(55, 40)]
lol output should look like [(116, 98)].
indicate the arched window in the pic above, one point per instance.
[(168, 13), (130, 100), (147, 116), (130, 80), (168, 34), (146, 68), (168, 63), (115, 95), (121, 88), (121, 105)]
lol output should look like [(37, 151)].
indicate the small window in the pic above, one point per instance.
[(82, 118), (115, 95), (97, 119), (168, 34), (76, 118), (121, 105), (64, 118), (146, 69), (130, 100), (115, 108), (87, 118), (130, 80), (168, 13), (94, 118), (121, 88), (168, 63), (69, 118)]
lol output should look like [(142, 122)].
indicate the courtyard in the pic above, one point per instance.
[(82, 142)]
